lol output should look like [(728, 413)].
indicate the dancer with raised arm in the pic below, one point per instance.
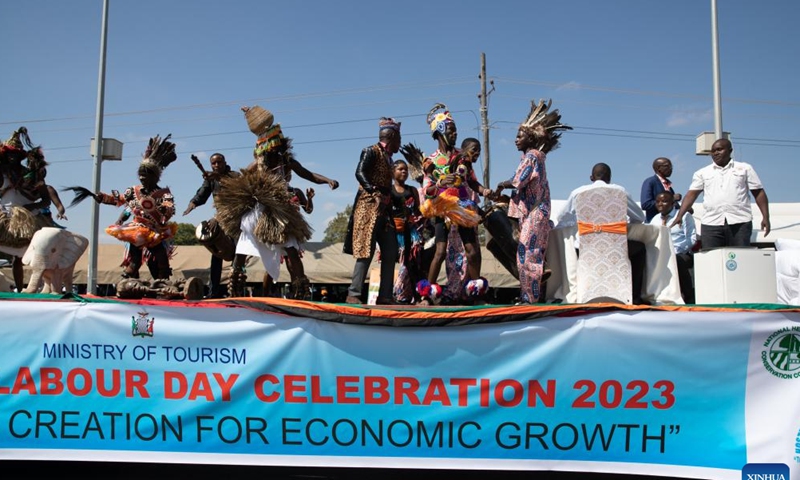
[(150, 229)]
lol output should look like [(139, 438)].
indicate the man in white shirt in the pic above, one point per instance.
[(726, 186), (601, 177)]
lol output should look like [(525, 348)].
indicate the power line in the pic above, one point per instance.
[(402, 86), (618, 132), (597, 131), (286, 127), (301, 96), (675, 111), (250, 147), (652, 93)]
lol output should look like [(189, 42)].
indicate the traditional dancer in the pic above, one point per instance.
[(152, 207), (17, 223), (300, 200), (35, 188), (209, 233), (448, 179), (455, 262), (530, 202), (257, 206)]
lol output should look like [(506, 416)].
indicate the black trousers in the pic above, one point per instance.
[(685, 263), (637, 254), (728, 235), (214, 288)]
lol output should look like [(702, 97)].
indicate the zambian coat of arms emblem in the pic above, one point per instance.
[(142, 326)]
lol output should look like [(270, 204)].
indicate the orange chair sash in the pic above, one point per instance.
[(585, 228)]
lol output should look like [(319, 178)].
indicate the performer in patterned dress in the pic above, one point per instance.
[(456, 260), (448, 186), (408, 223), (530, 202), (150, 230)]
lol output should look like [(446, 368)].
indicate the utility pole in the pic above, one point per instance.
[(715, 61), (484, 97)]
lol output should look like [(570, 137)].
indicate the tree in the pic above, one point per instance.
[(337, 227), (185, 235)]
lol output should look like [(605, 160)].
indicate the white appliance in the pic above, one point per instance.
[(735, 275)]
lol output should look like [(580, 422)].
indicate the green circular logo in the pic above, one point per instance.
[(783, 354)]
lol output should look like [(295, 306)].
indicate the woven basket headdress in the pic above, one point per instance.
[(258, 119)]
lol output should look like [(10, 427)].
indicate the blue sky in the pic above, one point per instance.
[(633, 78)]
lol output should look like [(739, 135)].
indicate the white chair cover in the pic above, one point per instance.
[(604, 270)]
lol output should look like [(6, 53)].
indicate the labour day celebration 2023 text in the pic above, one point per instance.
[(212, 380)]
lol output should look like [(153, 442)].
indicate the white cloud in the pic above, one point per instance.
[(573, 85), (681, 117)]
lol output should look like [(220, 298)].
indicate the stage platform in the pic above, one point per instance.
[(290, 389)]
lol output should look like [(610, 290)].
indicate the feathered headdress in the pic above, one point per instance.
[(545, 126), (13, 149), (159, 154), (19, 139), (37, 166), (415, 159)]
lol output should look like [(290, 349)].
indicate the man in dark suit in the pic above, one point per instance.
[(656, 184)]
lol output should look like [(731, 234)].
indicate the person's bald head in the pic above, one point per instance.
[(601, 171), (662, 166)]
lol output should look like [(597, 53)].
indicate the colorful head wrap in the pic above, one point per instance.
[(388, 123), (271, 139), (439, 117)]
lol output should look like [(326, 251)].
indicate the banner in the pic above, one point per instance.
[(678, 393)]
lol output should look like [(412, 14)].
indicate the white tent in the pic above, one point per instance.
[(326, 264)]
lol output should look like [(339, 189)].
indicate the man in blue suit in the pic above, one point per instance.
[(656, 184)]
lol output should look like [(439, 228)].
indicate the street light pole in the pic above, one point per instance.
[(715, 61), (91, 282)]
